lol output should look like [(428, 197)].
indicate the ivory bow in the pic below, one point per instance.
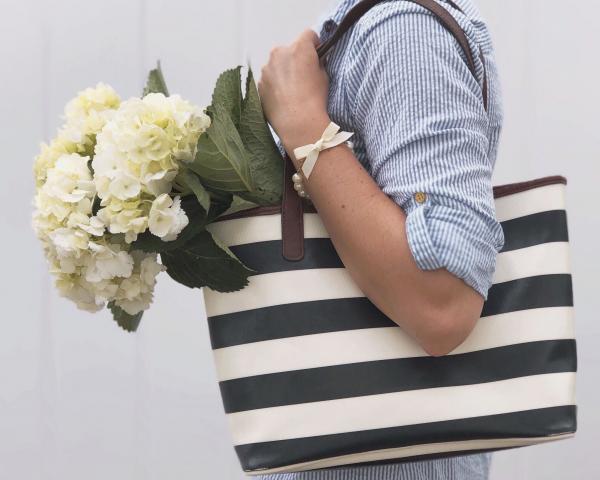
[(330, 138)]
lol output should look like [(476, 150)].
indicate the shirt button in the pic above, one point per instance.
[(420, 197)]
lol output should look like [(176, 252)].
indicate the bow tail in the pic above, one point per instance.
[(309, 163)]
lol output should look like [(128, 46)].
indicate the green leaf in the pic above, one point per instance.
[(156, 82), (190, 180), (222, 161), (96, 204), (219, 203), (204, 262), (127, 322), (228, 93), (266, 164), (239, 204), (197, 221)]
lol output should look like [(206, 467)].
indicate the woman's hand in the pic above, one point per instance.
[(294, 89)]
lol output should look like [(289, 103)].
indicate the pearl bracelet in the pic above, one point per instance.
[(299, 185)]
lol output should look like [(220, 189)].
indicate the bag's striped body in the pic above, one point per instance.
[(312, 375)]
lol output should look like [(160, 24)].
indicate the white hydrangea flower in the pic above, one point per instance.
[(124, 186), (86, 218), (135, 292), (130, 286), (108, 262), (70, 180), (137, 157), (49, 155), (92, 100), (78, 291), (127, 219), (89, 266), (87, 114), (167, 218), (68, 242), (149, 268), (63, 203), (91, 225)]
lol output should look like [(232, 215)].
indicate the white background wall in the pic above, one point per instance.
[(80, 399)]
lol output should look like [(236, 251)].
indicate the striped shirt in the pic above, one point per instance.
[(400, 81), (469, 467)]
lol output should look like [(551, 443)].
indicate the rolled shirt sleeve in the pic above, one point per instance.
[(421, 121)]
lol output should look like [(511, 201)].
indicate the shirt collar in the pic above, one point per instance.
[(334, 17)]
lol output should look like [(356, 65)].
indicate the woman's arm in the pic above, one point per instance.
[(368, 231), (367, 228)]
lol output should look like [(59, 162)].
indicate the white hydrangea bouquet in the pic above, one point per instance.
[(125, 182)]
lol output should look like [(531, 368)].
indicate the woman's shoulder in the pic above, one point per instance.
[(399, 17)]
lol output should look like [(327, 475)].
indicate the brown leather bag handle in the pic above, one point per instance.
[(444, 17), (292, 225)]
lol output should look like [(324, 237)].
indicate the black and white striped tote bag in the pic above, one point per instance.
[(317, 376)]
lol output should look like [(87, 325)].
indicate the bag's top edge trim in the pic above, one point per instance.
[(499, 191), (511, 188)]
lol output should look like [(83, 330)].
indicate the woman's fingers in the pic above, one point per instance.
[(294, 87), (309, 36)]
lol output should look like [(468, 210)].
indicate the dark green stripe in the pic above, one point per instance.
[(398, 375), (306, 318), (265, 257), (531, 292), (294, 319), (535, 229), (530, 423)]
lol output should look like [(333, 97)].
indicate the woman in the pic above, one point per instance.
[(417, 182)]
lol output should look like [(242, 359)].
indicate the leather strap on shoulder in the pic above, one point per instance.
[(443, 16)]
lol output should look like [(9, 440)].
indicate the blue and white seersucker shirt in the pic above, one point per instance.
[(400, 81)]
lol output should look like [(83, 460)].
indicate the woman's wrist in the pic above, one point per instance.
[(304, 130)]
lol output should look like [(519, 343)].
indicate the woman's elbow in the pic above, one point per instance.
[(445, 334), (443, 328)]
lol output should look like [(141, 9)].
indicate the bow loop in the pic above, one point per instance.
[(330, 138)]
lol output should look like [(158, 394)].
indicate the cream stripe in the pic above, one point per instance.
[(262, 228), (550, 197), (412, 451), (268, 227), (283, 288), (543, 259), (321, 284), (368, 345), (402, 408)]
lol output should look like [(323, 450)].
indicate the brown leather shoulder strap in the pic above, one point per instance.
[(443, 16)]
